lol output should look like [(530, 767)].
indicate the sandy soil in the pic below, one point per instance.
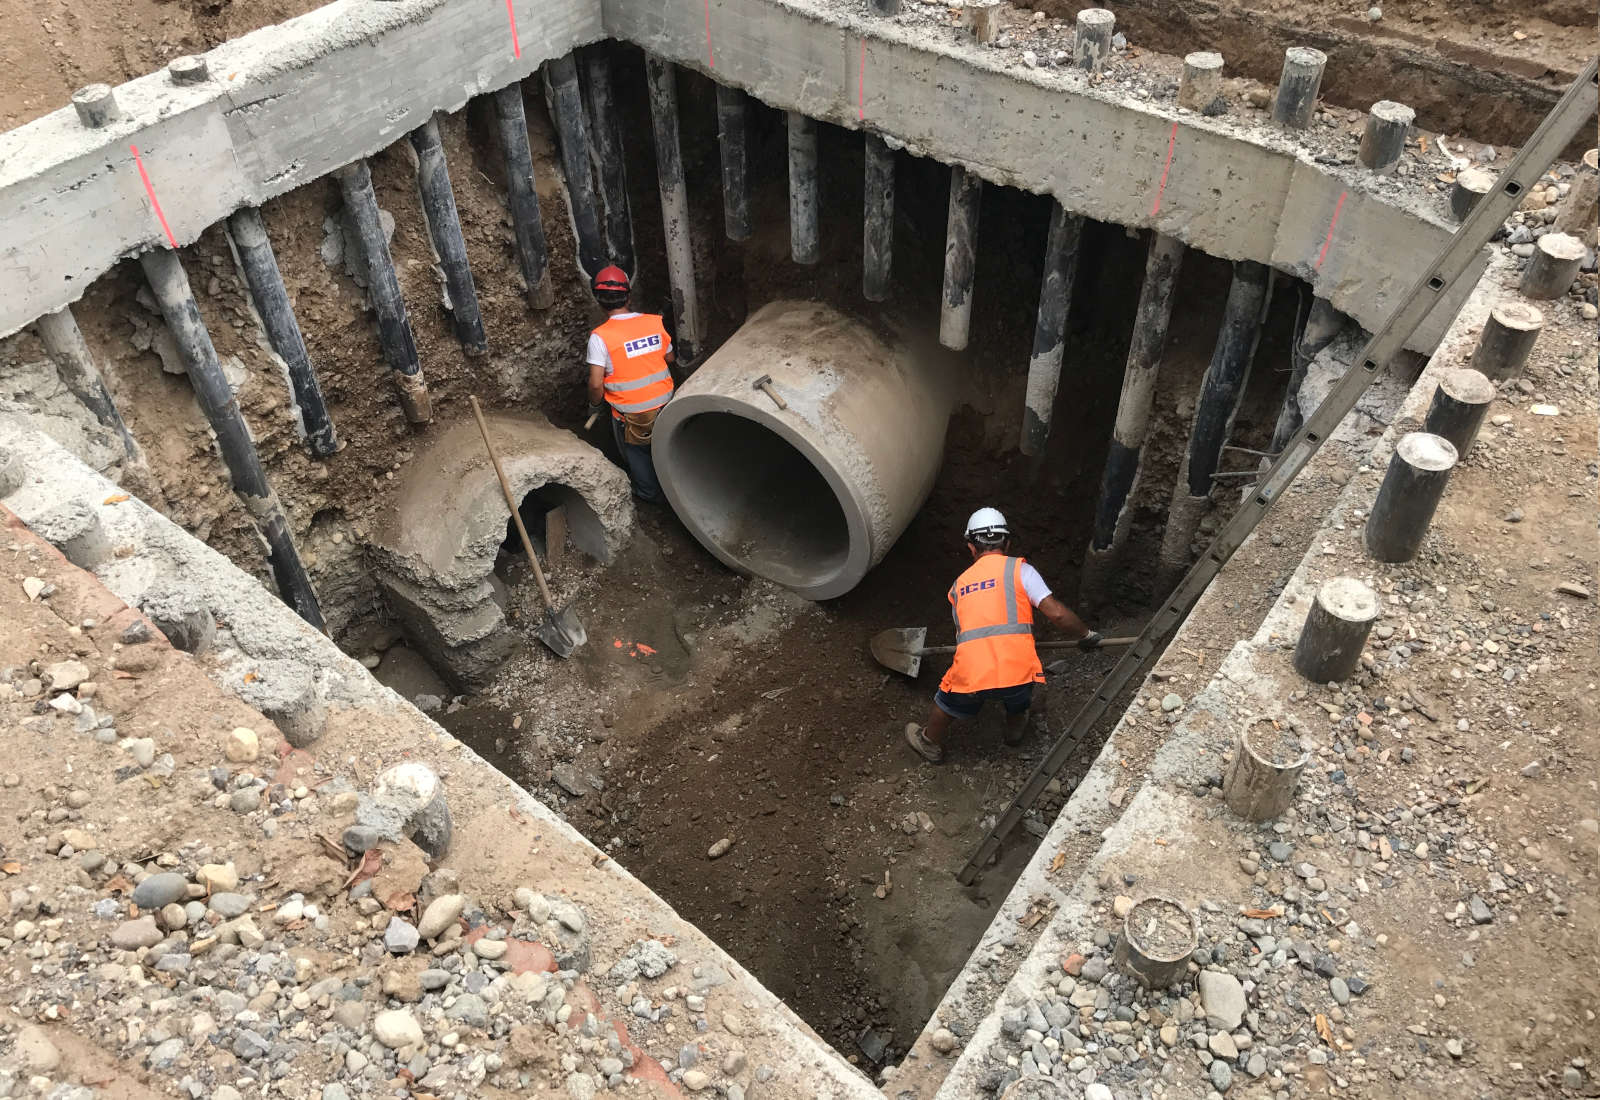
[(51, 48)]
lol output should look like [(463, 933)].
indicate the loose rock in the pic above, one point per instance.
[(397, 1028), (440, 915)]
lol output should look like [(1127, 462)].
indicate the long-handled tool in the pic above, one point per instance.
[(560, 630), (901, 648)]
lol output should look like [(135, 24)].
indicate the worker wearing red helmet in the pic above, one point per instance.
[(629, 356)]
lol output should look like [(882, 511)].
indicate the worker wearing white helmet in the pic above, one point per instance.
[(993, 604)]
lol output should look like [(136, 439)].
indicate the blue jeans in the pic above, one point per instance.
[(961, 704), (641, 467)]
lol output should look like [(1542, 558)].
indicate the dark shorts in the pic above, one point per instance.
[(960, 704)]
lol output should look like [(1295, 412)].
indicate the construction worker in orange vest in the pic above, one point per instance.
[(629, 356), (993, 604)]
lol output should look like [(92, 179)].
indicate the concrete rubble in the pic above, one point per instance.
[(435, 551)]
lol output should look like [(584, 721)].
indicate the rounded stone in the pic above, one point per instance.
[(37, 1052), (159, 890), (440, 915), (397, 1028), (242, 745)]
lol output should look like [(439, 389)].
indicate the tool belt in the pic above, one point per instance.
[(638, 427)]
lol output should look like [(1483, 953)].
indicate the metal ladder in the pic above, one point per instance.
[(1558, 129)]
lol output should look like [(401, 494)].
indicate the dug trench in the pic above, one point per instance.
[(710, 707)]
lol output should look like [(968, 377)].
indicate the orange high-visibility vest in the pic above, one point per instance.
[(639, 378), (994, 628)]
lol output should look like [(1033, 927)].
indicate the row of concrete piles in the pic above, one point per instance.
[(585, 123), (1344, 609), (1260, 780), (579, 94)]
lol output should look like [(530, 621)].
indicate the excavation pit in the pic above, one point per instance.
[(726, 695)]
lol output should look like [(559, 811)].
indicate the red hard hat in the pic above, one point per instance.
[(611, 278)]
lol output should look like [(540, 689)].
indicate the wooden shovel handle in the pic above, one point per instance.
[(931, 649), (511, 503)]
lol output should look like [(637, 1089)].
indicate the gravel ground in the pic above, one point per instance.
[(189, 906)]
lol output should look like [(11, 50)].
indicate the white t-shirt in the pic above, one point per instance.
[(598, 356), (1033, 584)]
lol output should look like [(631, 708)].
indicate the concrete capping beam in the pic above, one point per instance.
[(286, 105), (289, 103), (1234, 191)]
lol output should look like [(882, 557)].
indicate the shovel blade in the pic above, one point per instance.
[(900, 648), (562, 632)]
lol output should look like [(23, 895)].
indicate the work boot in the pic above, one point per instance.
[(1015, 730), (932, 753)]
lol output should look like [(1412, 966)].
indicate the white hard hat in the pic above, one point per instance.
[(987, 525)]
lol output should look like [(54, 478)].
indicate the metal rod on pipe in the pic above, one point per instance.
[(1323, 323), (171, 288), (444, 227)]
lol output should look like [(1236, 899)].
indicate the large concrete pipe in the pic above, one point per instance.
[(806, 481)]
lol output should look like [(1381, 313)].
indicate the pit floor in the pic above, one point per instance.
[(708, 706)]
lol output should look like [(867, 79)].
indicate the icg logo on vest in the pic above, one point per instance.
[(977, 586), (644, 345)]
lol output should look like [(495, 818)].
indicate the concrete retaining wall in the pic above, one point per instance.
[(286, 104), (1231, 190)]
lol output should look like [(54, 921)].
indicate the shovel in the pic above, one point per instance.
[(561, 630), (901, 648)]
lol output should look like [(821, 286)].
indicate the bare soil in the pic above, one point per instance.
[(51, 48), (1488, 71)]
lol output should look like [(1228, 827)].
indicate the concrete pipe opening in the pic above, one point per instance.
[(812, 495)]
